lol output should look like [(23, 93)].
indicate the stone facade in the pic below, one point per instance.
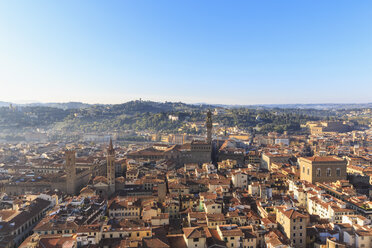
[(322, 169)]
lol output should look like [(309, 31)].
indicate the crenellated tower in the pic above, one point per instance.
[(111, 168), (70, 168), (209, 125)]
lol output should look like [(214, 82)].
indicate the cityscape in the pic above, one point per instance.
[(185, 124), (197, 180)]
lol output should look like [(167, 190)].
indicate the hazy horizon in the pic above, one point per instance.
[(25, 102)]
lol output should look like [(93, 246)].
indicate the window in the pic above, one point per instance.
[(328, 172), (308, 171), (196, 239), (294, 241), (300, 234), (294, 227), (300, 227), (338, 172), (300, 219), (303, 169), (301, 241), (318, 172)]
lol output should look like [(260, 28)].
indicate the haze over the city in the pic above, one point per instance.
[(185, 124), (245, 52)]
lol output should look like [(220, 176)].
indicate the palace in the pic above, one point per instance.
[(197, 151)]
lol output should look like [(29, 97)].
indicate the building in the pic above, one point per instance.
[(328, 127), (195, 237), (269, 158), (322, 169), (196, 151), (20, 223), (231, 234), (209, 125), (293, 224), (111, 168), (70, 167)]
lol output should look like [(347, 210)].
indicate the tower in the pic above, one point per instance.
[(111, 168), (162, 191), (70, 168), (209, 127)]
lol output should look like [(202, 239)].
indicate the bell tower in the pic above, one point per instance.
[(111, 168), (70, 168), (209, 125)]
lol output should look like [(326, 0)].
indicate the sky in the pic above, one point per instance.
[(226, 52)]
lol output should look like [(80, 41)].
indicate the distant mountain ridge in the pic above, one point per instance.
[(139, 115), (62, 105), (319, 106), (81, 105)]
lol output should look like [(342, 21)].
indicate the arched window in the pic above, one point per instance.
[(318, 172), (328, 172), (338, 172)]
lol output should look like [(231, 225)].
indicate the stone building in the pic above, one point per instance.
[(322, 169), (197, 151), (111, 168), (293, 224), (70, 168)]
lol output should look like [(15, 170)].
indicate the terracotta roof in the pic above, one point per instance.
[(230, 230), (216, 217), (56, 242), (323, 159), (194, 232), (154, 243), (291, 213)]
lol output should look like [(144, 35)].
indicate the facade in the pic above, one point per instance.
[(124, 209), (22, 222), (111, 168), (239, 180), (322, 169), (195, 237), (293, 224), (209, 125), (269, 158), (197, 151), (70, 168), (363, 238), (231, 234), (324, 127)]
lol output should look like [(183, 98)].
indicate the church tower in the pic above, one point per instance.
[(209, 127), (111, 168), (70, 168)]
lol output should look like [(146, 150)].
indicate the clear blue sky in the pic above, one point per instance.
[(232, 52)]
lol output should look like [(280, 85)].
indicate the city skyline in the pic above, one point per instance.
[(244, 53)]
